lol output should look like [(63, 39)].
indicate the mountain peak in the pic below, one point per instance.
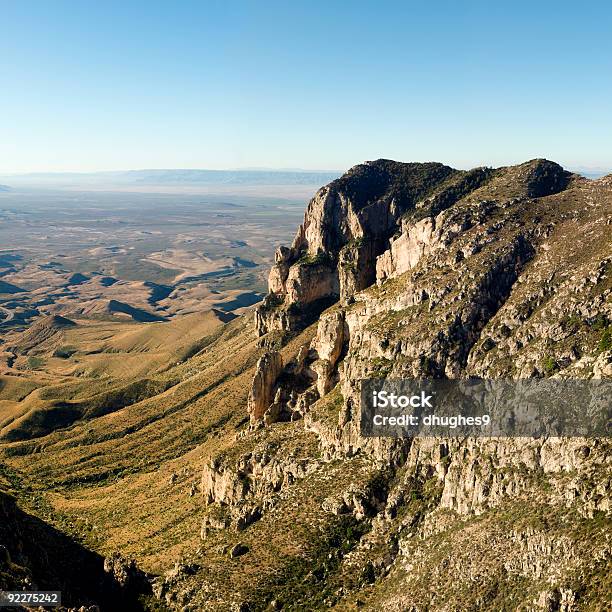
[(349, 224)]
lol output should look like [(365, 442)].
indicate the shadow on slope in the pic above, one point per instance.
[(43, 419), (10, 288), (138, 314), (36, 556), (45, 333)]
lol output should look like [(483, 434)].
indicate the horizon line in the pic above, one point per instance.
[(256, 169)]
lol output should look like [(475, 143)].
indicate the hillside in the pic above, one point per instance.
[(225, 457)]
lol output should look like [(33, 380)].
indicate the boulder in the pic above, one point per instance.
[(238, 550)]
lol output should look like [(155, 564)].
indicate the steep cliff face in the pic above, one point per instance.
[(451, 249), (346, 226), (269, 367), (380, 208)]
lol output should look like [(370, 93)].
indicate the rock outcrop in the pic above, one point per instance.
[(405, 251), (267, 370)]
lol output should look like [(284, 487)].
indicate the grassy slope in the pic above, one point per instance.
[(108, 479)]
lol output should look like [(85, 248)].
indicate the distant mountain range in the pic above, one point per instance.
[(254, 177), (194, 177), (591, 172)]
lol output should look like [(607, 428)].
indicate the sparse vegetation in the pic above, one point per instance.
[(550, 365), (327, 409), (320, 259), (35, 362), (600, 323), (305, 583), (355, 243), (272, 301), (64, 352), (381, 367), (605, 344)]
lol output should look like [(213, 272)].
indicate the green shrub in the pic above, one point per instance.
[(573, 322), (601, 322), (319, 259), (354, 243), (605, 344), (550, 365), (272, 301)]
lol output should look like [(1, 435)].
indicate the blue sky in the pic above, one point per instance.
[(317, 85)]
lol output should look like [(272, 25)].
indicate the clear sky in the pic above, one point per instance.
[(309, 84)]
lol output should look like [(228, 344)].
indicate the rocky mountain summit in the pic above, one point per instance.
[(237, 476)]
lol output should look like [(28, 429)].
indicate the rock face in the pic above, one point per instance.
[(125, 574), (384, 219), (268, 368), (330, 337), (453, 290), (238, 550), (346, 226), (405, 251), (419, 270), (310, 281)]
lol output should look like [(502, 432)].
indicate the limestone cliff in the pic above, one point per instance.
[(346, 226), (260, 398)]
